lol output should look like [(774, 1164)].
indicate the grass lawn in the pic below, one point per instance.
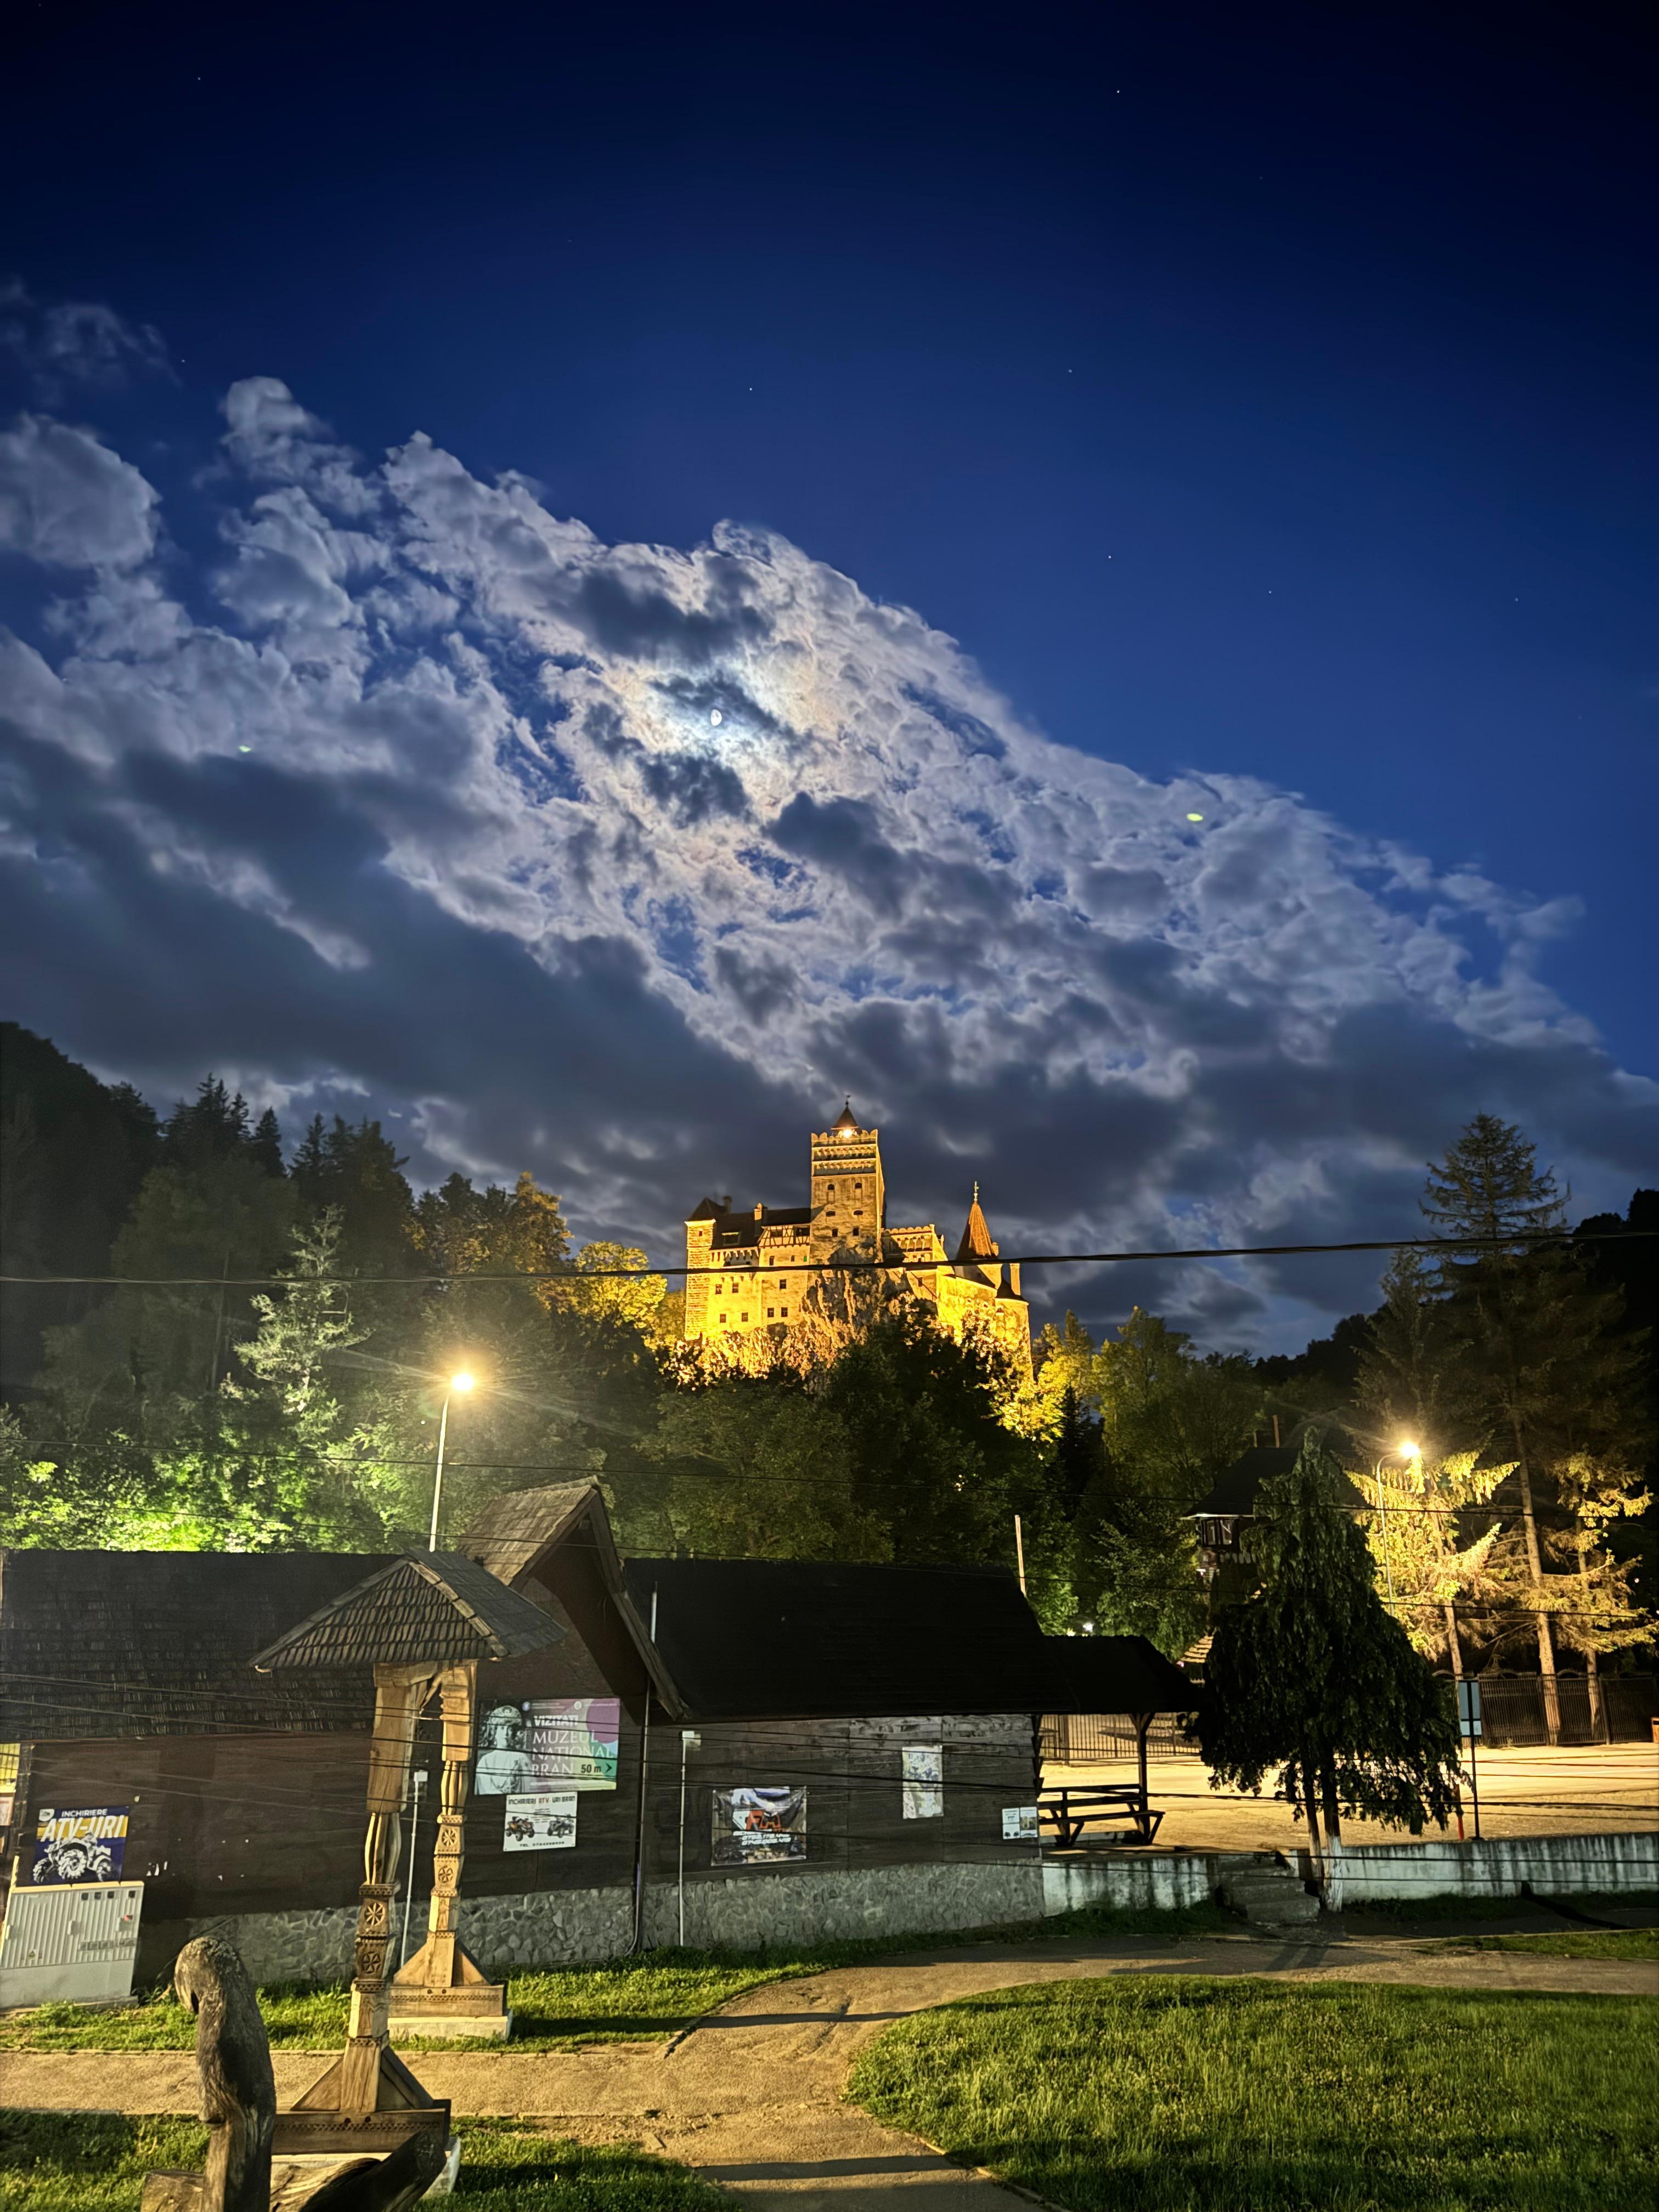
[(1447, 1906), (1573, 1943), (652, 1996), (1151, 2093), (96, 2162)]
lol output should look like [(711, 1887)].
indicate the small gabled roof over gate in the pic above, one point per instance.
[(437, 1607)]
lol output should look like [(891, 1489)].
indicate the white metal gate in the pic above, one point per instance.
[(74, 1944)]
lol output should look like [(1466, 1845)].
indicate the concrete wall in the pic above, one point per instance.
[(1555, 1866), (1132, 1883)]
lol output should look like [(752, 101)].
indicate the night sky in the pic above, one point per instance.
[(588, 583)]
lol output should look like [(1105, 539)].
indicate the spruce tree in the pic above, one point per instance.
[(1541, 1364), (1311, 1677), (265, 1146)]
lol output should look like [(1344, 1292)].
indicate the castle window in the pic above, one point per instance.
[(745, 1317), (770, 1316)]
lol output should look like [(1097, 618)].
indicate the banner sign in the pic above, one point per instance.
[(546, 1822), (88, 1844), (548, 1743), (1468, 1709), (758, 1827), (1019, 1824), (923, 1768)]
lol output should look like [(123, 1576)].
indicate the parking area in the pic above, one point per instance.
[(1581, 1789)]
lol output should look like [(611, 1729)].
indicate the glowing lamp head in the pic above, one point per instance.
[(1408, 1449), (461, 1381)]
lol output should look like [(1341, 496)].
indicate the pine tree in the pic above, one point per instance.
[(212, 1125), (1405, 1353), (1077, 1461), (1540, 1362), (1311, 1675), (300, 1327), (265, 1146)]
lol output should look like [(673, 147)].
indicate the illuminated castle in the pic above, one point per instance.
[(788, 1247)]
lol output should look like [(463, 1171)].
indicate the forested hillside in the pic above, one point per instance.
[(270, 1368)]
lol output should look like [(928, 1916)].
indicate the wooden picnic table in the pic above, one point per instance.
[(1106, 1804)]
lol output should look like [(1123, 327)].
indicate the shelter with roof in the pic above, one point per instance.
[(758, 1263), (729, 1750)]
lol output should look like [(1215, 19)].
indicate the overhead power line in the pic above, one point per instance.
[(1542, 1240)]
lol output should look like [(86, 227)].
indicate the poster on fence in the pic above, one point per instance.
[(548, 1743), (88, 1844), (758, 1827), (544, 1822), (1019, 1824), (923, 1766)]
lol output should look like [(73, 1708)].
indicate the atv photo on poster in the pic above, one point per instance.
[(758, 1827)]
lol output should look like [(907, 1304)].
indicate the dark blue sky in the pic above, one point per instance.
[(1265, 392)]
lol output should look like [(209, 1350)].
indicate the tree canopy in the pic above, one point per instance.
[(1312, 1684)]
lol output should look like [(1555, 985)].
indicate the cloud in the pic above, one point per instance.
[(67, 502), (75, 345), (625, 862)]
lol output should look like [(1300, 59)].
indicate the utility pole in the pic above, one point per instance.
[(690, 1741)]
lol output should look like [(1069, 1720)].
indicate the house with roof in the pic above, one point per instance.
[(712, 1750), (1224, 1516)]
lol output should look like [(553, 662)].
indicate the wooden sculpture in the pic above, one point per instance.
[(239, 2103)]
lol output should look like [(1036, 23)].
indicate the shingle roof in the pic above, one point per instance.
[(1115, 1674), (513, 1532), (134, 1644), (436, 1606), (1235, 1491), (776, 1638)]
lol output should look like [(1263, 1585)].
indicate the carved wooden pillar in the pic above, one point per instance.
[(449, 1852), (443, 1977), (369, 2078)]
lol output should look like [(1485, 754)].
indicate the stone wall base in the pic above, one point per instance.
[(566, 1927)]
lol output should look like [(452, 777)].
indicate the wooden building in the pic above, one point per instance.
[(743, 1750)]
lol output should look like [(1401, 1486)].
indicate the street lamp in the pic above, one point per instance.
[(463, 1383)]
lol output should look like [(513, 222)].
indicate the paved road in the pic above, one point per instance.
[(751, 2096)]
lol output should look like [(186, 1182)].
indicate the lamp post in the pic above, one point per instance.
[(463, 1383)]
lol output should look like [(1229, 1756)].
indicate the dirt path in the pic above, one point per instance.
[(751, 2095)]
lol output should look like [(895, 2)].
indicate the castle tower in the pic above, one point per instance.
[(850, 1199)]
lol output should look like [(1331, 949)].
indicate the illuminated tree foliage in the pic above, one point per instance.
[(1424, 1508), (1311, 1684)]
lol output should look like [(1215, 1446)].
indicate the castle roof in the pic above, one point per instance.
[(977, 1243), (847, 1119)]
